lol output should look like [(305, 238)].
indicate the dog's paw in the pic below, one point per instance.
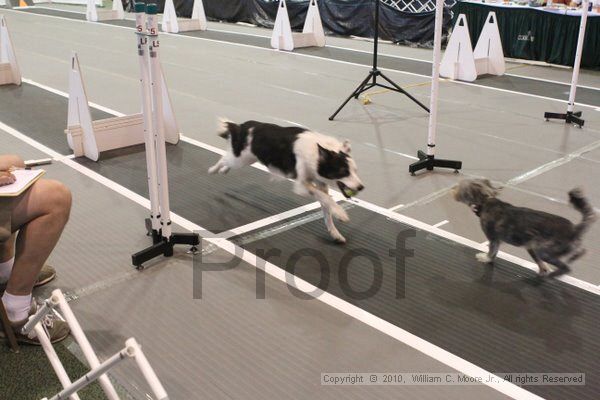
[(224, 169), (483, 257), (214, 169), (339, 239), (543, 274), (340, 214), (337, 236)]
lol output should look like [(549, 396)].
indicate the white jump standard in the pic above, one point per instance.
[(461, 62), (151, 80), (94, 15), (572, 117), (170, 23), (312, 34), (9, 68), (428, 160), (98, 370), (90, 138)]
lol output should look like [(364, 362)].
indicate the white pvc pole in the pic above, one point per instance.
[(578, 54), (44, 310), (147, 371), (59, 299), (94, 374), (63, 378), (435, 76), (142, 43), (159, 131)]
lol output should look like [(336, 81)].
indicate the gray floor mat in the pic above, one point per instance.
[(215, 202), (39, 114), (453, 301), (229, 345), (55, 13)]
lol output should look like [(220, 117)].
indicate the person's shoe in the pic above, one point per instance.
[(47, 274), (55, 328)]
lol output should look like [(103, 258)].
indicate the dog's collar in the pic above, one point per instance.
[(476, 209)]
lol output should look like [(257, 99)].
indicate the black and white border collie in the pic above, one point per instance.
[(313, 160)]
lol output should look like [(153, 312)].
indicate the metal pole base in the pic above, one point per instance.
[(164, 247), (430, 162), (371, 81), (569, 118)]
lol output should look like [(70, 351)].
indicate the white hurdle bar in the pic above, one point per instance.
[(98, 370)]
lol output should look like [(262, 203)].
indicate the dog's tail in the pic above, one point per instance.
[(585, 208), (226, 127)]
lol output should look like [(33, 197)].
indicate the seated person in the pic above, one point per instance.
[(39, 216)]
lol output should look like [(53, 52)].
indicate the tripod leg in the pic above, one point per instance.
[(391, 82), (364, 89), (356, 92)]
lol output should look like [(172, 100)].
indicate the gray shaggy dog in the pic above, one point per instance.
[(547, 237)]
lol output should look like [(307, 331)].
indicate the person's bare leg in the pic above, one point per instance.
[(7, 249), (40, 215)]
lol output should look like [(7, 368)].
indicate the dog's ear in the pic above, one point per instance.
[(346, 148), (491, 187), (324, 154), (224, 129)]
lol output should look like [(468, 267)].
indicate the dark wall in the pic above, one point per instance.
[(340, 17)]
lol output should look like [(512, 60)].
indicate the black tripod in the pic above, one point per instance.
[(371, 80)]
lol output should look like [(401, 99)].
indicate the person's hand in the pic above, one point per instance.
[(6, 178)]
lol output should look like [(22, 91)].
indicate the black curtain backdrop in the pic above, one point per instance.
[(340, 17)]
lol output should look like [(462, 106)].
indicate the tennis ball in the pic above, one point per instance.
[(349, 192)]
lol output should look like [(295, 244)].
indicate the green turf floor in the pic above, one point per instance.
[(28, 375)]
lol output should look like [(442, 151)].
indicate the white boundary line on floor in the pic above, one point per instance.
[(339, 304), (318, 58), (390, 213), (261, 223), (441, 223)]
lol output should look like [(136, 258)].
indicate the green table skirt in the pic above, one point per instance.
[(532, 34)]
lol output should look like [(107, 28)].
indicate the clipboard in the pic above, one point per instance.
[(25, 178)]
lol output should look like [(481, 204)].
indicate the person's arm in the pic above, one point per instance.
[(9, 160)]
